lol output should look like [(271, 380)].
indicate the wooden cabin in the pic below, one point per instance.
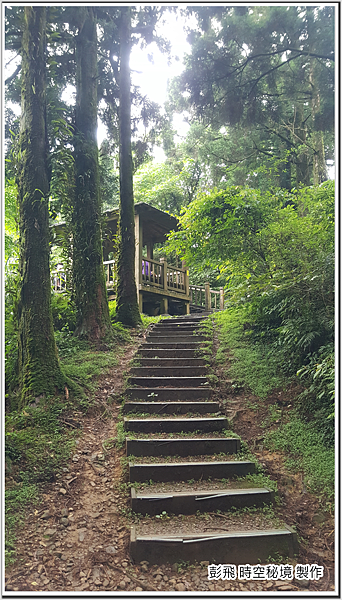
[(162, 288)]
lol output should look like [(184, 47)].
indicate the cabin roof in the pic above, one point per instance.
[(156, 224)]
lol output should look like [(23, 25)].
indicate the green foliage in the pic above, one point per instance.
[(85, 365), (11, 219), (168, 186), (36, 440), (252, 365), (267, 107), (316, 402), (11, 331), (308, 436), (63, 312), (305, 449), (17, 499), (36, 447), (276, 252), (120, 435)]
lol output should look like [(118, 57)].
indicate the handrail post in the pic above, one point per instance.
[(164, 304), (207, 296), (164, 271), (221, 298), (186, 278)]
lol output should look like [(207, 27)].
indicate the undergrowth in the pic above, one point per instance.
[(38, 440), (37, 445), (305, 451), (307, 438), (252, 365)]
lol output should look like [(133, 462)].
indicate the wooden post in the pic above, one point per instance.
[(149, 251), (207, 296), (164, 303), (164, 306), (221, 298), (164, 272), (186, 279)]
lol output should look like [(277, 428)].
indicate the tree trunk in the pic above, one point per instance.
[(39, 370), (93, 321), (127, 311), (303, 168), (319, 165), (317, 139)]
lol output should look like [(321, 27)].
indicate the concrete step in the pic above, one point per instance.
[(177, 330), (171, 408), (166, 338), (185, 319), (182, 382), (170, 346), (169, 394), (236, 547), (176, 327), (151, 352), (185, 471), (188, 503), (171, 362), (181, 446), (174, 425), (173, 371)]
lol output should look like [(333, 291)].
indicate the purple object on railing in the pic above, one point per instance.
[(145, 268)]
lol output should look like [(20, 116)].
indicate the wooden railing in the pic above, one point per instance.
[(152, 273), (59, 280), (175, 278), (59, 277), (110, 273), (205, 297)]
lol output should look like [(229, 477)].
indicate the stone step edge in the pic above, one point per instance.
[(179, 419), (202, 494), (183, 447), (202, 380), (238, 547), (175, 424), (184, 471), (191, 502), (168, 407), (153, 392)]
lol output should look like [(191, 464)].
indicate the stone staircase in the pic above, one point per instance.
[(181, 449)]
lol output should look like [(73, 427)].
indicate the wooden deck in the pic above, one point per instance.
[(158, 282)]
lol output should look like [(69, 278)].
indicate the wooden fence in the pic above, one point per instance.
[(206, 298), (153, 275)]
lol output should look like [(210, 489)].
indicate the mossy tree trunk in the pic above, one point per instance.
[(93, 321), (127, 311), (38, 365)]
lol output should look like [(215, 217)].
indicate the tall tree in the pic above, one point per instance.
[(39, 370), (90, 292), (127, 302), (268, 69)]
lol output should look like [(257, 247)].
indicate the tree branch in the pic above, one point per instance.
[(13, 76)]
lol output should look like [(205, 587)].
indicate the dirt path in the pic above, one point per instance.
[(77, 539)]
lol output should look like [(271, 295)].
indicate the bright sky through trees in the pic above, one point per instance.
[(152, 70)]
